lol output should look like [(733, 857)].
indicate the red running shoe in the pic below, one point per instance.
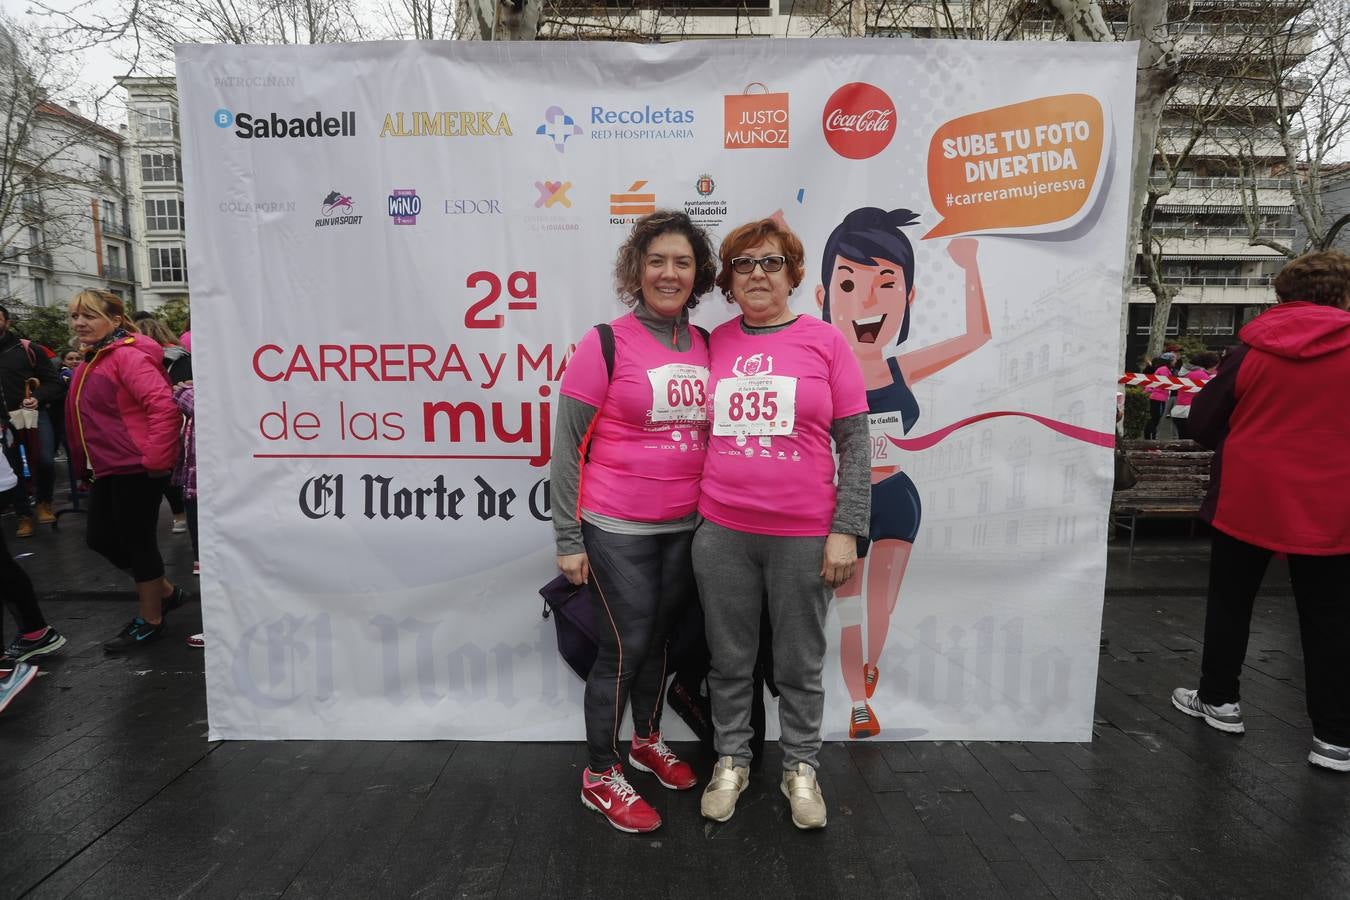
[(652, 755), (863, 723), (610, 794), (870, 676)]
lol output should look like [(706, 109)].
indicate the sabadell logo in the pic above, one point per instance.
[(859, 120), (274, 125)]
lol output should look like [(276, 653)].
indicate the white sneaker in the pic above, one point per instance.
[(1225, 717), (178, 527), (1329, 756)]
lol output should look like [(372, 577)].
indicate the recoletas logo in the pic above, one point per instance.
[(276, 125), (558, 126), (859, 120)]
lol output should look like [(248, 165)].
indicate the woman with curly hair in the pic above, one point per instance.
[(627, 458)]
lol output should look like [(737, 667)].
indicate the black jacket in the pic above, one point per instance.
[(19, 363)]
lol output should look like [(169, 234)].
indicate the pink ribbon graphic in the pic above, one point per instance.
[(1077, 432)]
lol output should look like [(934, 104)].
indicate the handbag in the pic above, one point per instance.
[(1181, 412), (574, 621)]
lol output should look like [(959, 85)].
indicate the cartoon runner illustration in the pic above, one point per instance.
[(867, 289)]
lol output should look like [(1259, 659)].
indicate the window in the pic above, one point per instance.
[(947, 537), (1070, 481), (1012, 371), (160, 167), (1210, 320), (979, 535), (4, 285), (113, 269), (986, 443), (1010, 533), (166, 264), (164, 215), (1066, 529), (39, 292), (108, 213), (105, 167), (1045, 358), (982, 505), (1018, 496), (1145, 321), (157, 121), (34, 238)]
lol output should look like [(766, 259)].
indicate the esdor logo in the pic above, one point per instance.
[(859, 120)]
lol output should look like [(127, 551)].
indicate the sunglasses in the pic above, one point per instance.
[(744, 265)]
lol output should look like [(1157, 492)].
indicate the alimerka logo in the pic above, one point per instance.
[(859, 120), (755, 120), (465, 123), (274, 125)]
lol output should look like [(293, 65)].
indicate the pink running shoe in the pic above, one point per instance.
[(610, 794), (652, 755)]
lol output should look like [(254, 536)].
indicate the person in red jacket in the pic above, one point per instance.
[(123, 426), (1276, 417)]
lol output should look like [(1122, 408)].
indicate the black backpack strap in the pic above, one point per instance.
[(607, 347)]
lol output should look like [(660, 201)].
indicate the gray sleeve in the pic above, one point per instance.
[(853, 500), (564, 472)]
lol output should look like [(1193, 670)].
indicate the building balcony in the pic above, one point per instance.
[(1223, 183), (32, 206), (117, 229), (116, 273), (1254, 291), (1205, 231), (39, 259)]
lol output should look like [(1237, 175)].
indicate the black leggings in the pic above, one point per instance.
[(15, 586), (1156, 408), (123, 517), (1322, 594), (639, 585)]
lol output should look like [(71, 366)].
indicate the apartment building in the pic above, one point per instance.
[(155, 182), (65, 227)]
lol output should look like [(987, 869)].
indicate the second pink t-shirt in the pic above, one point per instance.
[(770, 466)]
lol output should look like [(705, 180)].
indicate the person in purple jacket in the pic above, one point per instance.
[(123, 426)]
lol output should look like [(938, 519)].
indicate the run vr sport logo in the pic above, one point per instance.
[(275, 125)]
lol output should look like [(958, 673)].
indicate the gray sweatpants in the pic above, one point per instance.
[(737, 573)]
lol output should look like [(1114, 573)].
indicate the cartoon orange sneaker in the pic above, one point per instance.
[(870, 676), (863, 723)]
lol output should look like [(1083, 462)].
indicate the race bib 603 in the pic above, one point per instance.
[(679, 393)]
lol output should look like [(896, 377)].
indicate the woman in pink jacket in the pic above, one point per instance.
[(123, 426)]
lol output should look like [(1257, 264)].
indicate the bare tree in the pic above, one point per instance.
[(46, 174), (1305, 74)]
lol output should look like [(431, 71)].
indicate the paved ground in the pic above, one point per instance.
[(110, 789)]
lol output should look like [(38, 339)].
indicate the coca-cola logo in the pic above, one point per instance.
[(859, 120)]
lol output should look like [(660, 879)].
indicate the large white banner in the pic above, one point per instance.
[(394, 246)]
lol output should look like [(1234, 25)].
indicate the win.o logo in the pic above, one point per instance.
[(223, 118)]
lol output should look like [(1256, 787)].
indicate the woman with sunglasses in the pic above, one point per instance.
[(777, 530)]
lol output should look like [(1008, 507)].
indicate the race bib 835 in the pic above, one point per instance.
[(755, 405)]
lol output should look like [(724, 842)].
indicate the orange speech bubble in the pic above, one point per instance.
[(1029, 165)]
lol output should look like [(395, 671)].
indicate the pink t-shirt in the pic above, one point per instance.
[(647, 443), (1184, 398), (1160, 394), (770, 467)]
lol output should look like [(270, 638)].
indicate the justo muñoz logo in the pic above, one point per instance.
[(859, 120)]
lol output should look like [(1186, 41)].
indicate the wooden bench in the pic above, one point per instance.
[(1173, 477)]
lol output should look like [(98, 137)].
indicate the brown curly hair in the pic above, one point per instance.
[(632, 255), (1322, 278), (753, 233)]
